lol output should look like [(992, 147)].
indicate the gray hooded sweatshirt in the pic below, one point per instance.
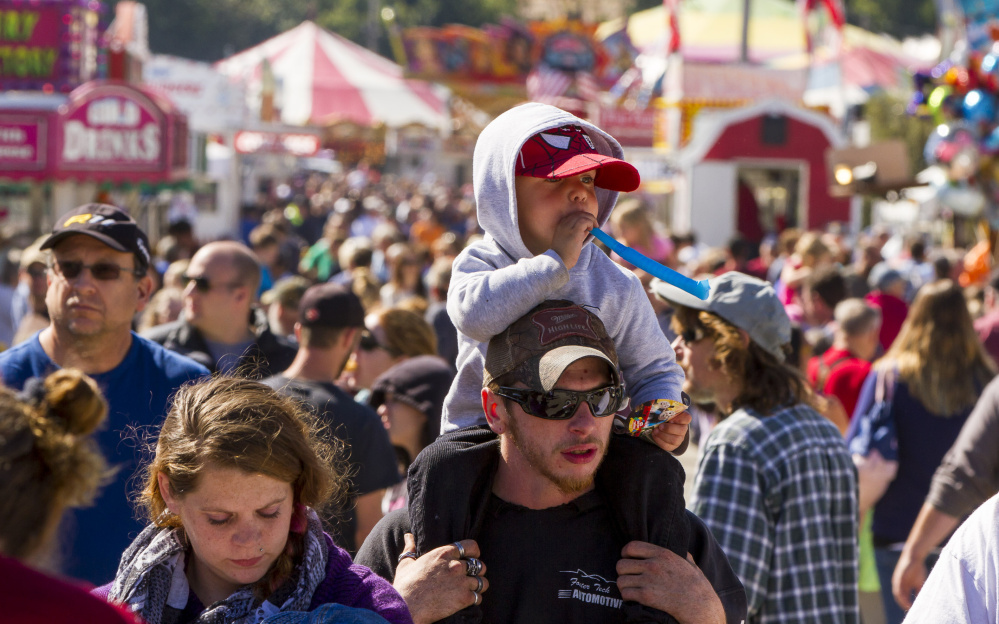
[(497, 280)]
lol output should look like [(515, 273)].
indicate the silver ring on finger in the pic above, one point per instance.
[(461, 550), (478, 599), (473, 566), (478, 579)]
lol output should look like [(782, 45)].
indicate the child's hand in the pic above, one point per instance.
[(569, 235), (669, 435)]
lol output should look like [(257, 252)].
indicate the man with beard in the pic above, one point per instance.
[(575, 525), (330, 323)]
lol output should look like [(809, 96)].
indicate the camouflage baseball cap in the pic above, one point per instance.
[(539, 346)]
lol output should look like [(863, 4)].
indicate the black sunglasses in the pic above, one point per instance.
[(562, 404), (370, 343), (692, 335), (103, 271), (202, 283)]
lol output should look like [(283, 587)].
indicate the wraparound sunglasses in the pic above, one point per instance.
[(562, 404)]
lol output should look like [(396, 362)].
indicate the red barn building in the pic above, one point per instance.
[(757, 170)]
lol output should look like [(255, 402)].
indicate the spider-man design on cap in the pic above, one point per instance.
[(569, 151)]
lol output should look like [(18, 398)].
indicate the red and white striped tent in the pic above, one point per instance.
[(323, 78)]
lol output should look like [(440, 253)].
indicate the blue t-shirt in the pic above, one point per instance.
[(137, 392)]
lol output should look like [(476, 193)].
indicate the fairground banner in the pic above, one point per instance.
[(48, 45)]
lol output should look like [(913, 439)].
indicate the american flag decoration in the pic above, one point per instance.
[(673, 28), (587, 86), (837, 15), (545, 84)]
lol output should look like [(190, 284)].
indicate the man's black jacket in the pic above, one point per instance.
[(268, 355)]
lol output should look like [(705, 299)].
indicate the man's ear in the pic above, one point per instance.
[(144, 285), (348, 338), (495, 413), (298, 333), (745, 337), (243, 292)]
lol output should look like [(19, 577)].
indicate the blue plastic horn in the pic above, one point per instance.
[(699, 289)]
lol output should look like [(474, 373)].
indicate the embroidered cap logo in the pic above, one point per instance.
[(558, 323), (83, 218)]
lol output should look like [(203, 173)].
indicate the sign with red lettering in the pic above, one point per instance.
[(631, 127), (22, 142)]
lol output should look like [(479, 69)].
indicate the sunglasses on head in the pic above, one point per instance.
[(103, 271), (370, 343), (560, 404), (202, 284)]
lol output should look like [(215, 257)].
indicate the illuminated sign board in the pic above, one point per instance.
[(253, 142), (22, 142), (48, 46)]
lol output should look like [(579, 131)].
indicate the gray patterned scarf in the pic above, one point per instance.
[(151, 580)]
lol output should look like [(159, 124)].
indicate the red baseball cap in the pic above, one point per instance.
[(569, 151)]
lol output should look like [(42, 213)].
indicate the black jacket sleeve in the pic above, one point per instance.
[(712, 561), (382, 547)]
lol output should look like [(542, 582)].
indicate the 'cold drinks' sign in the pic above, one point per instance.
[(118, 129)]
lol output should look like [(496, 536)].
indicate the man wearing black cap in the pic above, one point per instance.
[(97, 281), (330, 323), (571, 523)]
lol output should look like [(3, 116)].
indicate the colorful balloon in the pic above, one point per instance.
[(990, 63), (935, 101), (947, 141), (979, 107), (991, 142), (938, 72)]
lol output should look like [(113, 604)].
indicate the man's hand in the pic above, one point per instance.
[(437, 584), (669, 435), (659, 578), (570, 233), (908, 578)]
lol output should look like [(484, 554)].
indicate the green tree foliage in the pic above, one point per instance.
[(208, 30), (886, 115), (899, 18)]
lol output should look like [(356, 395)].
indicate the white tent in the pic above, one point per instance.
[(322, 77)]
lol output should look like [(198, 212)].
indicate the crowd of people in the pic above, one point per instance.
[(392, 401)]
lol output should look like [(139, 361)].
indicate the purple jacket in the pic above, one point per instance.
[(346, 583)]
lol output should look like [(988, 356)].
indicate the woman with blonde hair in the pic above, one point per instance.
[(48, 463), (635, 228), (391, 336), (910, 410), (232, 496), (164, 307), (405, 275)]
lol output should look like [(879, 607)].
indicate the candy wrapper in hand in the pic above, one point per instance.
[(643, 419)]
